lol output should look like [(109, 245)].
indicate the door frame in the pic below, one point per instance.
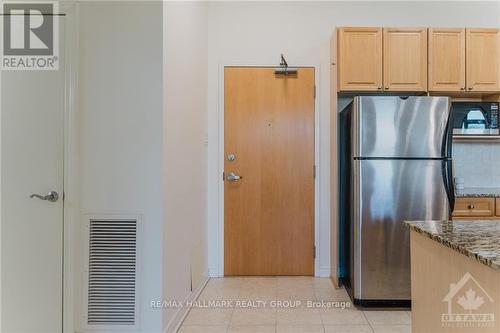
[(218, 242), (70, 159)]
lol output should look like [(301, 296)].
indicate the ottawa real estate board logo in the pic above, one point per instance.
[(30, 35), (469, 305)]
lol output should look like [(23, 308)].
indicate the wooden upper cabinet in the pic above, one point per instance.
[(418, 59), (360, 59), (405, 59), (483, 59), (446, 59)]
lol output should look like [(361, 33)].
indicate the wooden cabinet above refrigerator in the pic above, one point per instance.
[(418, 59)]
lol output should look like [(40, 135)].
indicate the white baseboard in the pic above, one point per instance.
[(179, 316), (324, 272), (213, 272)]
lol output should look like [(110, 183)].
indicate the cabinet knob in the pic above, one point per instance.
[(471, 206), (462, 88), (379, 88), (470, 88), (386, 87)]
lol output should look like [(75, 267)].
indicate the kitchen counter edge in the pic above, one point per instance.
[(477, 239)]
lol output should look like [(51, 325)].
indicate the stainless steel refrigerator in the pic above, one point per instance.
[(395, 155)]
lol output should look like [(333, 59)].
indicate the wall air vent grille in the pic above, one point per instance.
[(112, 273)]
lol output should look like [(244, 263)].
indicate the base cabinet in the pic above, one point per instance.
[(474, 208)]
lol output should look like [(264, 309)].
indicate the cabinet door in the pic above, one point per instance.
[(405, 59), (446, 59), (360, 59), (483, 59)]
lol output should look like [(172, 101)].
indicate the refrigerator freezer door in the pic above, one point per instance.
[(386, 192), (391, 126)]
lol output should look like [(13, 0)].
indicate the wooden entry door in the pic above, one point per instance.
[(269, 143)]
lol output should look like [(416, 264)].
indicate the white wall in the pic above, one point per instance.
[(185, 152), (120, 105), (242, 33)]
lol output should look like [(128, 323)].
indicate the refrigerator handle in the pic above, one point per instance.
[(449, 169), (448, 183), (447, 162), (446, 147)]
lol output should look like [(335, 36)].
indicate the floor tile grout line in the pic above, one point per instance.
[(321, 318), (234, 308), (367, 321)]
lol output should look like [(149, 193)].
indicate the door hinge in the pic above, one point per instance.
[(314, 251), (223, 176), (314, 91), (314, 171)]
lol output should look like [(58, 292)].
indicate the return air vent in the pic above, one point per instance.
[(112, 273)]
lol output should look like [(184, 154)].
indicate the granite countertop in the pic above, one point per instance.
[(479, 240), (478, 192)]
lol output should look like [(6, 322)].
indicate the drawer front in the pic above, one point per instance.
[(474, 207)]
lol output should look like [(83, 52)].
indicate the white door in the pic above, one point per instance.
[(32, 161)]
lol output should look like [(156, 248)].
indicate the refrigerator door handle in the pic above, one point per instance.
[(448, 183), (447, 163), (449, 169), (446, 147)]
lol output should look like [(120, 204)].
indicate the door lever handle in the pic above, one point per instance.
[(52, 196), (232, 177)]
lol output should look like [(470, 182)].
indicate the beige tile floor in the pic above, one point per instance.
[(252, 307)]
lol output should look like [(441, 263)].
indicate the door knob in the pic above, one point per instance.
[(52, 196), (232, 177)]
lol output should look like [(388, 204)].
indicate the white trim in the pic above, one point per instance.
[(1, 201), (220, 170), (180, 315), (138, 282), (71, 198), (218, 224), (317, 160), (324, 271)]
